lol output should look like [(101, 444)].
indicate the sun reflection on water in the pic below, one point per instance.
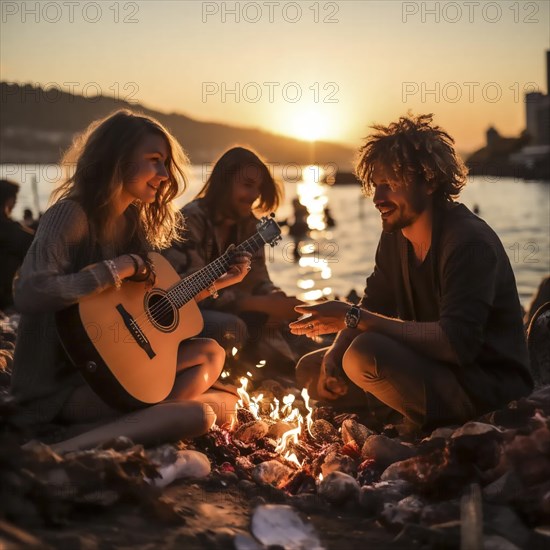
[(314, 269), (312, 195)]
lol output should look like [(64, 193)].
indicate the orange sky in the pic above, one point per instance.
[(322, 70)]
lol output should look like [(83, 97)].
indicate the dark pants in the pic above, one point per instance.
[(389, 377)]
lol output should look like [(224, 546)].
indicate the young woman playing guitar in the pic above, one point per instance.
[(114, 208)]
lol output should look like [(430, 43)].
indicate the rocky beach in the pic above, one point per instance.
[(287, 474)]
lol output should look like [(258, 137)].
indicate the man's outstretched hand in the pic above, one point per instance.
[(324, 318)]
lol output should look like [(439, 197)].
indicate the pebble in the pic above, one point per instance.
[(353, 431), (324, 431), (373, 497), (251, 431), (271, 472), (335, 462), (187, 464), (280, 525), (338, 488)]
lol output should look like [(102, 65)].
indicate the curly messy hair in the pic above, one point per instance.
[(415, 151)]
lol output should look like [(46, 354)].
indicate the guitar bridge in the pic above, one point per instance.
[(136, 332)]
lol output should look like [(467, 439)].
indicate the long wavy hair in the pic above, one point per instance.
[(100, 160), (416, 152), (217, 189)]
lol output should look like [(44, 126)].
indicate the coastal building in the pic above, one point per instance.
[(534, 158)]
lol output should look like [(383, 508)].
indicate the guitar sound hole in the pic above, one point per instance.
[(161, 310)]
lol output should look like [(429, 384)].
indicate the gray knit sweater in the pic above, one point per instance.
[(55, 274)]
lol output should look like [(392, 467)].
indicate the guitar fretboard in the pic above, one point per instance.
[(190, 286)]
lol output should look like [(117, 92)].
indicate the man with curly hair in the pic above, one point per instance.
[(438, 336)]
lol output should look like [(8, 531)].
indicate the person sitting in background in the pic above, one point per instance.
[(251, 314), (438, 335), (28, 219), (15, 240)]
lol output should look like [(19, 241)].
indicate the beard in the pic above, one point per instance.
[(405, 214)]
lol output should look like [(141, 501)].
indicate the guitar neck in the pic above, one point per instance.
[(193, 284)]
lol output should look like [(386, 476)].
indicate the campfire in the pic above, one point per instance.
[(277, 437), (491, 473), (283, 416)]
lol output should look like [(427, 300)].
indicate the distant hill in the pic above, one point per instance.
[(36, 125)]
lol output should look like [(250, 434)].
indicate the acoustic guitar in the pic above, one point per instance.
[(125, 342)]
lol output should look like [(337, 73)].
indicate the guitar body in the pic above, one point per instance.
[(125, 343)]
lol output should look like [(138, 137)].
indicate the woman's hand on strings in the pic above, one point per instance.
[(239, 268)]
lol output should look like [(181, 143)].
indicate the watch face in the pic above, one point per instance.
[(352, 317)]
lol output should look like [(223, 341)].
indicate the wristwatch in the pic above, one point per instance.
[(352, 317)]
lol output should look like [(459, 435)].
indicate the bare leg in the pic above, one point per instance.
[(221, 403), (200, 363), (186, 413), (153, 425)]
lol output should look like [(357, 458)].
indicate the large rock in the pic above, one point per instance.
[(385, 451)]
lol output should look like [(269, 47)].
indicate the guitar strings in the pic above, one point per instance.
[(195, 283)]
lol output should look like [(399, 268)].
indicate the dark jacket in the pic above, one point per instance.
[(477, 299)]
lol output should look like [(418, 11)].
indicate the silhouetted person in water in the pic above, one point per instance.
[(299, 229), (329, 220)]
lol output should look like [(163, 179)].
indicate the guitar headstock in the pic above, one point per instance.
[(269, 230)]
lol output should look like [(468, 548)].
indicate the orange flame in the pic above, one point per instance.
[(287, 413)]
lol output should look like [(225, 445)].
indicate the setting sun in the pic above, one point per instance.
[(310, 125)]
